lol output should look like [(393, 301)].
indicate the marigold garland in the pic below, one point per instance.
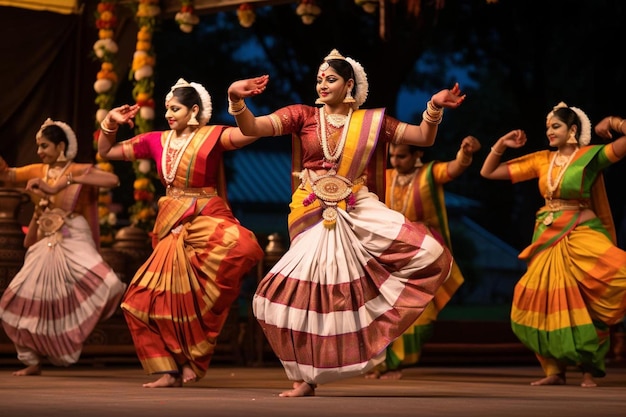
[(186, 18), (105, 50), (142, 212)]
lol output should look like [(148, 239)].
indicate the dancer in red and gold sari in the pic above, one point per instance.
[(357, 273), (64, 287), (178, 301), (575, 285)]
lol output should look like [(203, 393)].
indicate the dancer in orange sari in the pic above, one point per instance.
[(64, 287), (178, 301), (575, 285), (357, 274)]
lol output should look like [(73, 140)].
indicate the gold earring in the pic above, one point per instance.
[(193, 121), (349, 98), (319, 101), (62, 157), (572, 138)]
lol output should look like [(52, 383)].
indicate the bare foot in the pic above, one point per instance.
[(29, 370), (166, 380), (188, 374), (588, 381), (397, 374), (300, 389), (556, 379), (372, 375)]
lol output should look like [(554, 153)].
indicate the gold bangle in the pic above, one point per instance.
[(70, 180), (235, 108), (106, 130), (493, 151)]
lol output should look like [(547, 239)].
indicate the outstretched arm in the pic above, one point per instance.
[(91, 176), (107, 148), (246, 120), (492, 168), (424, 134)]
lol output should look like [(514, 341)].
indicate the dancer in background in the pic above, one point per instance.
[(575, 284), (178, 300), (357, 274), (415, 189), (64, 287)]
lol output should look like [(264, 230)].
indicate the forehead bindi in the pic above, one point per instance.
[(328, 72)]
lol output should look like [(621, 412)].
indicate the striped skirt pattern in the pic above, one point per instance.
[(569, 296), (178, 301), (62, 291), (338, 297)]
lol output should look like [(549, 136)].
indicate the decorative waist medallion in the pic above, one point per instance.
[(332, 188)]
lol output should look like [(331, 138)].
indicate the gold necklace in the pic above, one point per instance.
[(406, 179), (553, 185), (171, 156), (334, 156)]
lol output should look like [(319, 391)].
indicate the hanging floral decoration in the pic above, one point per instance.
[(106, 217), (105, 50), (186, 18), (246, 15), (370, 6), (308, 10), (142, 212)]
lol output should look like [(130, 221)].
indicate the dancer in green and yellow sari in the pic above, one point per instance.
[(575, 285), (415, 189)]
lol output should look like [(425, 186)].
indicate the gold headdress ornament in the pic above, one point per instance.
[(204, 97), (362, 86), (585, 124), (72, 145)]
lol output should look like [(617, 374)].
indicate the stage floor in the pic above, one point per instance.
[(460, 391)]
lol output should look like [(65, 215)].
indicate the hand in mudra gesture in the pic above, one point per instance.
[(123, 114), (247, 88), (449, 98)]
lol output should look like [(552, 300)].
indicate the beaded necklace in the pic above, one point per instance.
[(334, 156), (553, 185), (407, 194), (172, 154)]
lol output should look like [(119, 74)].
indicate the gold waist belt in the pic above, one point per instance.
[(557, 204), (206, 192)]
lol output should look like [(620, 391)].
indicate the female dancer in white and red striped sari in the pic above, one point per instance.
[(357, 274)]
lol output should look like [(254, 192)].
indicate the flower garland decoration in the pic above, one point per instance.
[(105, 49), (308, 10), (186, 19), (246, 15), (142, 212)]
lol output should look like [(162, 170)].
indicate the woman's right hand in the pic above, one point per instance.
[(122, 115), (247, 88), (514, 139)]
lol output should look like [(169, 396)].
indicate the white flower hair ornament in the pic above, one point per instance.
[(207, 108), (72, 145), (585, 127), (585, 124), (362, 86)]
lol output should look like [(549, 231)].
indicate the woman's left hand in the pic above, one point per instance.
[(603, 128), (39, 186), (449, 98), (247, 88)]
